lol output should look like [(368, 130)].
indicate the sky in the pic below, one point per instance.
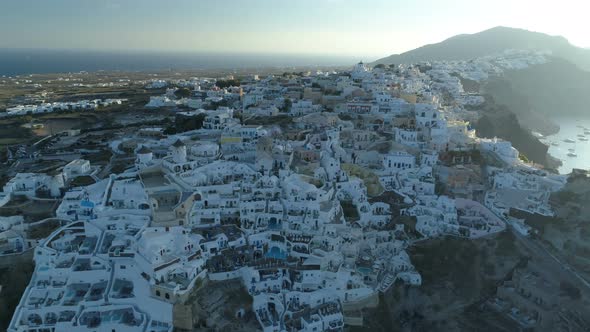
[(368, 28)]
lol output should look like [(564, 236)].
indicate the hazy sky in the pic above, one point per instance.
[(370, 28)]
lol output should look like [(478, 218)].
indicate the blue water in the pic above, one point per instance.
[(365, 270), (39, 61), (276, 253), (569, 129)]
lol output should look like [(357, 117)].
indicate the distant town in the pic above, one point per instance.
[(273, 201)]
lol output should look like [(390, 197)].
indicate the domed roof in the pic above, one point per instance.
[(178, 143), (144, 150)]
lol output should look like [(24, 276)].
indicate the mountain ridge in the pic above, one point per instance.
[(494, 40)]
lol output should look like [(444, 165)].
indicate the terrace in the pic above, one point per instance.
[(96, 291), (230, 260), (125, 316), (88, 245), (66, 316), (54, 296), (75, 293), (122, 289)]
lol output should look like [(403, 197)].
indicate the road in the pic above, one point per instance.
[(106, 171), (541, 254), (544, 257), (36, 223)]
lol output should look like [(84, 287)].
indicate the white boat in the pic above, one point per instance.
[(555, 143), (583, 139), (569, 140), (572, 154)]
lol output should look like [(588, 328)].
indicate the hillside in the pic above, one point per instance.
[(499, 121), (554, 88), (469, 46)]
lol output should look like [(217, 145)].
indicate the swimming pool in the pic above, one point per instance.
[(364, 270), (276, 253)]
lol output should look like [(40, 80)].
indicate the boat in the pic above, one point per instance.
[(572, 154), (569, 140), (571, 150), (586, 132), (583, 139), (555, 143)]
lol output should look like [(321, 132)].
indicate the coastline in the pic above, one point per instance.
[(568, 145)]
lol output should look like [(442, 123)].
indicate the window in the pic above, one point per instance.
[(158, 293), (167, 296)]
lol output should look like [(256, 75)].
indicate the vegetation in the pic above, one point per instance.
[(217, 104), (14, 279), (440, 188), (119, 168), (369, 178), (182, 93), (43, 230), (344, 117), (184, 123), (12, 132), (287, 74), (287, 103), (170, 130), (81, 181), (103, 156), (349, 210), (222, 84), (280, 120)]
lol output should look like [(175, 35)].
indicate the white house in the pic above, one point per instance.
[(76, 168), (397, 161)]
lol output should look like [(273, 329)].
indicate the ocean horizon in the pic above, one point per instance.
[(43, 61)]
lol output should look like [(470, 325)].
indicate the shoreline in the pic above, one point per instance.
[(570, 129)]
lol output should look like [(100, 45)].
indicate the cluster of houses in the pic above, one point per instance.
[(523, 188), (35, 187), (42, 185), (309, 214), (81, 105)]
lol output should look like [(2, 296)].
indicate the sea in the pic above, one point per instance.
[(42, 61), (573, 155)]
